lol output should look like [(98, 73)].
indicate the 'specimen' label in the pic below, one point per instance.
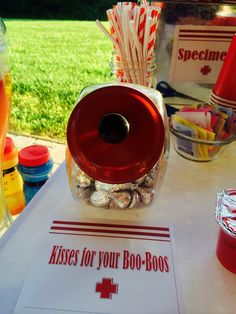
[(199, 52)]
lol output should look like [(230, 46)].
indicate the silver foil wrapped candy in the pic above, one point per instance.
[(126, 195)]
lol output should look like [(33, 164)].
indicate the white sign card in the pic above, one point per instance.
[(199, 52), (101, 268)]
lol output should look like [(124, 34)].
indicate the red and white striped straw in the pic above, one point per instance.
[(133, 32)]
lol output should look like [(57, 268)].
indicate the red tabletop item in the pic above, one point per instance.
[(225, 214), (9, 145), (115, 134), (224, 91), (10, 158), (34, 155), (223, 21), (226, 248)]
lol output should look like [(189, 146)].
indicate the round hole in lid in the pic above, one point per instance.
[(113, 128)]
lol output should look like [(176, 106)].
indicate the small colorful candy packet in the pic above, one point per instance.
[(186, 146), (203, 123)]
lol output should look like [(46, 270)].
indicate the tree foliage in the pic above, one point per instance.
[(56, 9)]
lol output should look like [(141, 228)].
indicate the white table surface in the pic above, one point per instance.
[(186, 200)]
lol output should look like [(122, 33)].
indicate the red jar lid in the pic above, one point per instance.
[(34, 155), (115, 134)]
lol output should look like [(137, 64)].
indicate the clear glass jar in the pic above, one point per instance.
[(144, 74), (5, 216), (196, 149), (4, 63), (118, 144)]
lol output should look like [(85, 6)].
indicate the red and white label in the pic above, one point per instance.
[(199, 52), (95, 267)]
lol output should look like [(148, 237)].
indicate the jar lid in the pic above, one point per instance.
[(115, 134), (34, 155)]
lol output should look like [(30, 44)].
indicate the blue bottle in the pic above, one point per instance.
[(35, 166)]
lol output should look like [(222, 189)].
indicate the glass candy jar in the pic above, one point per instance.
[(117, 145), (144, 74)]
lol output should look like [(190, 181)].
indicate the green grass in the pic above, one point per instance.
[(51, 62)]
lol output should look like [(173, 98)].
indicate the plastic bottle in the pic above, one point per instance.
[(4, 63), (12, 180), (35, 166), (5, 216)]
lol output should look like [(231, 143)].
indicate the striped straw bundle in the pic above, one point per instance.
[(133, 32)]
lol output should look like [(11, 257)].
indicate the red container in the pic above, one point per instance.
[(225, 214), (224, 92), (226, 250)]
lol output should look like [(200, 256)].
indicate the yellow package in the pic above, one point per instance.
[(191, 125), (200, 133)]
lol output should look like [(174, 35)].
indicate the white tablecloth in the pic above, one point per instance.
[(186, 200)]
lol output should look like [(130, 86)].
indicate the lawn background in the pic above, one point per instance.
[(51, 61)]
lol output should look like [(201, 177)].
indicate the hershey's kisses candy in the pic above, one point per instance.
[(135, 199), (146, 195), (100, 199), (82, 179), (111, 187), (83, 194), (120, 199)]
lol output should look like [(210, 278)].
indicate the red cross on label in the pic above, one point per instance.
[(106, 288), (205, 70)]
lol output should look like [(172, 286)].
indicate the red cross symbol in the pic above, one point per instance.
[(106, 288), (205, 70)]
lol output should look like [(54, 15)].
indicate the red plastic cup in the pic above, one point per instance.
[(226, 250), (225, 84), (225, 216)]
